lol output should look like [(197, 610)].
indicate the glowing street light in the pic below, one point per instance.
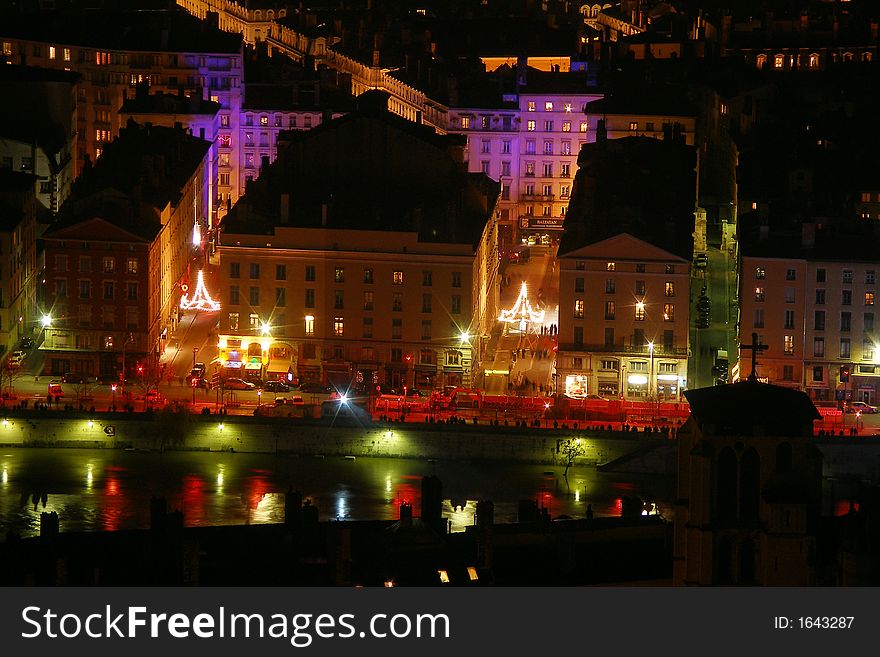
[(464, 336), (265, 328), (46, 320)]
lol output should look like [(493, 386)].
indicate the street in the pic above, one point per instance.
[(706, 342)]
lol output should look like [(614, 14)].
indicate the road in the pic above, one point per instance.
[(535, 364), (718, 279)]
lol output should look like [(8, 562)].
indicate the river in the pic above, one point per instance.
[(94, 490)]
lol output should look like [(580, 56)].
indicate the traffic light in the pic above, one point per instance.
[(844, 373), (140, 369)]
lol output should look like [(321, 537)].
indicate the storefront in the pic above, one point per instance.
[(576, 386), (338, 376), (425, 377), (540, 230), (636, 386), (253, 370), (668, 387), (281, 363)]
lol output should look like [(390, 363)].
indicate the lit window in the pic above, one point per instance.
[(579, 308), (51, 52), (339, 275), (310, 324), (264, 120), (132, 266), (531, 106), (548, 106), (610, 266), (567, 107), (530, 126), (338, 326), (778, 61), (668, 312), (760, 273), (640, 311), (788, 344), (397, 278), (670, 289), (869, 298), (633, 126), (465, 122), (759, 294), (583, 126)]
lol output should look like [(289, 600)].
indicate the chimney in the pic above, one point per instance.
[(808, 235), (284, 209)]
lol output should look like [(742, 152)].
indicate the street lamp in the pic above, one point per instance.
[(125, 342), (46, 320), (651, 382)]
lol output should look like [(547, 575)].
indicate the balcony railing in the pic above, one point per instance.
[(660, 350), (538, 197)]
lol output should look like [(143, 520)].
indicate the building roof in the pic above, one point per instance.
[(752, 408), (656, 101), (107, 215), (122, 29), (149, 162), (369, 170), (143, 102)]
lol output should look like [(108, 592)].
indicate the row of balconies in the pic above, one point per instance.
[(660, 350)]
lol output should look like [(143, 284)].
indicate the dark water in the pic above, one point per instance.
[(108, 490)]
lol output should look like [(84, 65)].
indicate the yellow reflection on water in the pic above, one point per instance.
[(90, 477)]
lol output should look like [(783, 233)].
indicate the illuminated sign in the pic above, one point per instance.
[(201, 300)]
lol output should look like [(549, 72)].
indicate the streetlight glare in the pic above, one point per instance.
[(343, 398), (46, 320), (266, 328), (464, 336)]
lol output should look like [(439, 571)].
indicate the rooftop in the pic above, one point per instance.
[(665, 101), (143, 102)]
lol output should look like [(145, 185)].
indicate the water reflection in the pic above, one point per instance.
[(105, 490)]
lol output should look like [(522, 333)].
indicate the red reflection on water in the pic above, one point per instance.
[(257, 487), (843, 507), (193, 499), (114, 502), (409, 494), (618, 506), (111, 485)]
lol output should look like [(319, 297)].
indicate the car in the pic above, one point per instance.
[(703, 322), (27, 343), (238, 384), (153, 397), (199, 382), (701, 261), (276, 386), (861, 407), (73, 377)]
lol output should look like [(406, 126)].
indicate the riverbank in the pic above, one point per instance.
[(167, 431)]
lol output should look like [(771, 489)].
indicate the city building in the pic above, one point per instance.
[(20, 214), (623, 321), (365, 255), (115, 50), (749, 488), (624, 271), (121, 249), (38, 128)]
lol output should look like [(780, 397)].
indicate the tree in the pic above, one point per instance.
[(571, 449), (174, 423), (84, 390), (9, 374), (150, 374)]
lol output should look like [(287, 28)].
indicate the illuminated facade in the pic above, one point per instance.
[(623, 321)]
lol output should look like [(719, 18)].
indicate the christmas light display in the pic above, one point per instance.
[(522, 312), (201, 300)]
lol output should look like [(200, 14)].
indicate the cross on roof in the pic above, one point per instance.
[(756, 348)]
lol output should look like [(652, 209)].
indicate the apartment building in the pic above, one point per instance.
[(38, 128), (363, 255), (115, 50), (529, 141), (123, 245), (20, 213), (623, 321)]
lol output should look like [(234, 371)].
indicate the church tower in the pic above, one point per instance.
[(749, 488)]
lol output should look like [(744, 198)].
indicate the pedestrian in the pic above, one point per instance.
[(49, 399)]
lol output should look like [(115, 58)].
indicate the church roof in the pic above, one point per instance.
[(752, 408)]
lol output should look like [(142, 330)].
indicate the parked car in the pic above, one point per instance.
[(16, 358), (276, 386), (73, 377), (860, 407), (703, 322), (238, 384), (27, 343), (701, 261)]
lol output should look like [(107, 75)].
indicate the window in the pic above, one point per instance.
[(132, 266), (818, 373), (548, 126), (847, 276), (109, 265), (85, 289), (339, 275), (427, 278), (868, 321), (778, 61), (564, 191), (426, 303), (649, 126), (338, 300), (310, 298), (530, 169), (640, 288), (548, 147), (233, 321), (61, 263), (820, 275), (530, 146), (759, 294), (583, 127), (280, 272), (578, 335), (610, 266), (61, 288), (368, 300), (85, 264), (397, 302), (788, 372), (760, 273), (426, 329), (789, 319), (234, 270), (759, 318), (505, 146), (465, 122), (633, 126), (670, 269), (819, 347), (397, 278), (280, 297), (132, 292), (668, 312), (579, 308), (255, 270), (845, 321), (396, 328), (233, 295), (485, 146), (579, 284), (309, 351), (789, 295), (530, 125), (820, 297), (669, 289), (640, 311), (368, 327), (609, 310), (869, 298), (310, 272), (264, 120), (254, 296), (580, 265), (309, 325), (608, 365), (566, 126), (456, 304), (609, 337), (566, 171), (819, 320), (456, 279), (790, 274), (609, 286), (845, 348), (338, 326), (224, 179), (548, 169), (867, 349), (869, 277)]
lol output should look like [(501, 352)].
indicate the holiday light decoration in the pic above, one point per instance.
[(522, 312), (200, 300)]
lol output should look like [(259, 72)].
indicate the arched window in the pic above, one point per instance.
[(761, 61), (724, 561), (747, 562), (749, 485), (779, 61), (258, 15), (783, 457), (726, 485), (814, 60)]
